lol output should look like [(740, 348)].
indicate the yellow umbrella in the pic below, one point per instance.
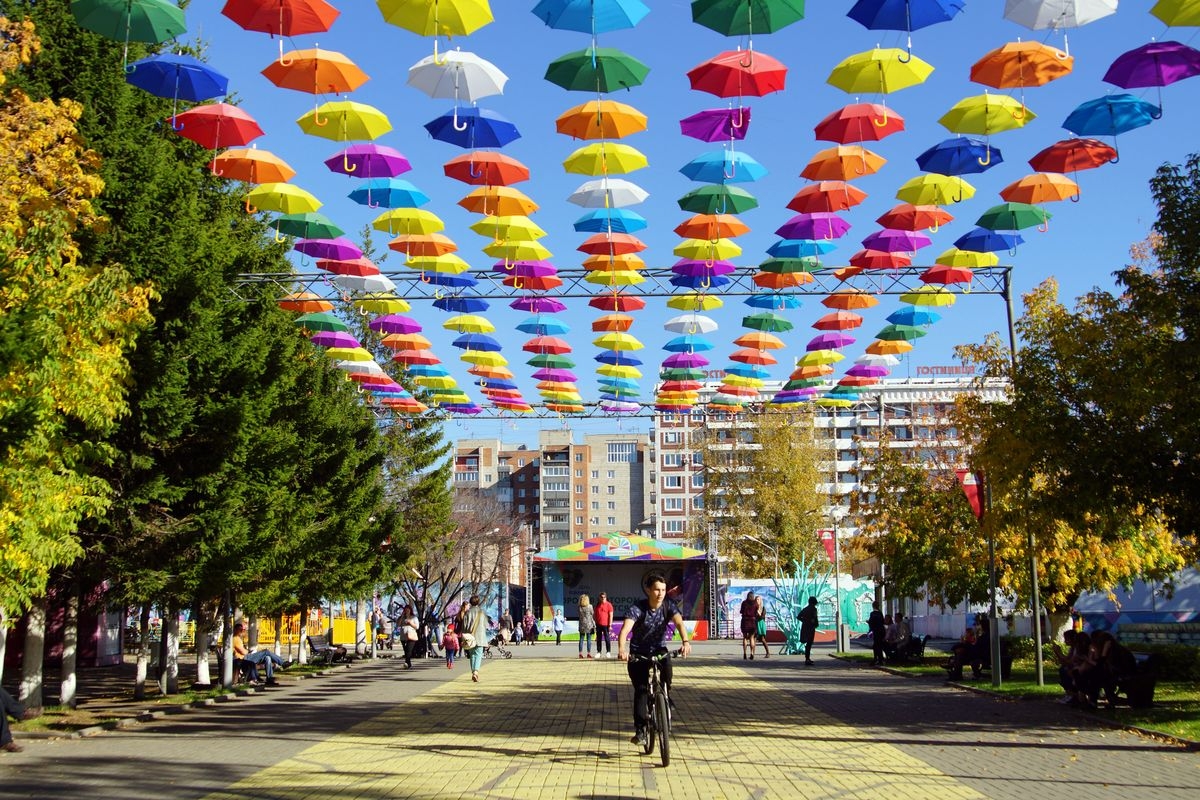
[(886, 347), (382, 304), (985, 114), (495, 200), (511, 228), (518, 251), (695, 302), (738, 380), (469, 323), (437, 17), (935, 190), (345, 120), (283, 198), (601, 119), (967, 258), (929, 296), (447, 264), (349, 354), (484, 358), (605, 158), (619, 371), (882, 70), (619, 278), (436, 382), (617, 341), (815, 357), (834, 402), (707, 249), (408, 220)]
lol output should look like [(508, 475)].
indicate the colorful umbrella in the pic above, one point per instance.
[(849, 299), (382, 304), (345, 120), (348, 266), (767, 321), (880, 259), (900, 333), (1041, 187), (282, 17), (829, 341), (983, 240), (707, 249), (369, 161), (1111, 115), (550, 345), (913, 316), (217, 126), (1057, 14), (929, 296), (315, 71), (388, 193), (284, 198), (611, 244), (605, 158), (408, 220), (739, 73), (935, 190), (321, 321), (1021, 65), (826, 196), (1155, 64), (617, 341), (417, 245), (601, 119), (909, 217), (178, 77), (690, 323), (711, 226), (1013, 217), (498, 201), (773, 300), (305, 303), (838, 321), (1177, 13), (970, 259), (879, 71), (800, 248), (336, 249), (613, 322), (752, 355), (457, 75), (859, 122), (509, 228), (692, 301), (591, 16), (596, 69), (688, 343), (150, 21), (723, 166), (486, 169), (722, 199), (469, 323), (717, 124), (985, 114), (469, 128), (896, 241), (332, 339), (903, 15), (617, 220), (608, 193), (746, 17), (1072, 155), (437, 17), (842, 163), (252, 166), (818, 225), (959, 156), (946, 275)]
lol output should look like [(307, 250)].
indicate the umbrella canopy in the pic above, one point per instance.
[(613, 322), (498, 201), (902, 333), (773, 300), (879, 71), (896, 241), (1154, 64), (690, 323), (959, 156), (691, 301), (477, 342), (707, 249), (469, 128), (408, 220), (880, 259), (842, 163), (859, 122), (752, 355), (337, 249), (382, 304), (1072, 155), (739, 73), (903, 15), (1012, 217), (711, 226), (469, 323), (913, 316), (348, 266), (252, 166), (320, 321), (849, 300), (178, 77), (605, 158), (909, 217), (929, 296), (128, 21), (1057, 14), (486, 169), (394, 323), (315, 71), (1021, 65), (767, 321), (617, 341), (457, 75), (985, 114), (688, 343), (759, 340), (838, 321), (1177, 13), (986, 241), (345, 120), (720, 199), (388, 193), (429, 244), (591, 16), (746, 17), (509, 228), (969, 259), (596, 69), (546, 344), (935, 190), (217, 126), (304, 302), (282, 197), (601, 119), (723, 166), (1111, 115), (818, 225), (608, 193), (369, 161), (1041, 187), (945, 275), (800, 248), (333, 339), (617, 220), (448, 18), (826, 196), (829, 341), (717, 124), (282, 17)]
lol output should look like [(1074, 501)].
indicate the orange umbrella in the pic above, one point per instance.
[(601, 119), (738, 391), (534, 283), (858, 380), (884, 347), (613, 263), (499, 201), (749, 355), (1041, 187), (781, 280), (613, 322), (486, 168), (406, 341), (846, 273), (252, 166), (612, 244), (909, 217), (711, 227), (827, 196), (304, 302), (811, 371), (946, 275), (842, 163), (850, 299), (316, 72), (485, 371), (433, 244), (1018, 65), (415, 356), (838, 321), (759, 340), (355, 266)]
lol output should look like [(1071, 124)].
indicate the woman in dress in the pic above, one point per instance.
[(587, 624)]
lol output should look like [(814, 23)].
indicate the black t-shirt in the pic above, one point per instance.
[(650, 627)]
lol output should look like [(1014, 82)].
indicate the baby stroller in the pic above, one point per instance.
[(499, 644), (384, 637)]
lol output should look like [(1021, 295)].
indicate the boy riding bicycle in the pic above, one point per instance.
[(644, 633)]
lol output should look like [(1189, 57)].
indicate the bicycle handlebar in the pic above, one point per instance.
[(657, 656)]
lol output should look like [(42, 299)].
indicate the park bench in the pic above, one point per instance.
[(955, 671), (242, 669), (323, 652), (1138, 685), (915, 652)]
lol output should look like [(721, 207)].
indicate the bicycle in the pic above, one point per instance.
[(658, 717)]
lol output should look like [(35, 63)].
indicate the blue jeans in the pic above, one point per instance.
[(267, 658), (588, 638), (476, 656)]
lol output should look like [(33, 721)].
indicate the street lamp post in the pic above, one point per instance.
[(774, 551)]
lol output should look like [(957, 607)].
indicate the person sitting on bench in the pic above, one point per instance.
[(263, 657)]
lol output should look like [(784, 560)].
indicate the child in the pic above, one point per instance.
[(450, 645)]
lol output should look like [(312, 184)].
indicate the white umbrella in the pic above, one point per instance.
[(360, 367), (608, 193), (1057, 14), (457, 75), (690, 323), (364, 283), (883, 360)]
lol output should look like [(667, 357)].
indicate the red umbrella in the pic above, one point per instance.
[(826, 196), (908, 217), (617, 302), (859, 122), (946, 275), (748, 355), (739, 73), (355, 266), (612, 244), (879, 259), (1072, 155), (486, 168), (282, 17), (838, 321), (217, 126), (858, 380), (546, 344), (415, 357)]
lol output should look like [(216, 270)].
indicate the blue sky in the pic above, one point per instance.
[(1085, 243)]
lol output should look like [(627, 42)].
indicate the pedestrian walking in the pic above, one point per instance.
[(878, 629), (587, 624), (604, 618), (760, 626), (474, 635), (749, 611), (450, 645), (808, 628), (530, 625), (409, 633), (10, 708), (559, 623)]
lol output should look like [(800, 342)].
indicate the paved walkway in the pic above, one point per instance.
[(545, 724)]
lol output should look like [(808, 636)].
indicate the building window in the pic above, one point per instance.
[(595, 505), (595, 474), (673, 526), (697, 480), (557, 486), (578, 473), (698, 503), (521, 463), (611, 489), (672, 504), (521, 493), (622, 452), (595, 489), (595, 520), (672, 459), (579, 505), (466, 477), (672, 481), (579, 488), (579, 458), (612, 474), (672, 437), (556, 472), (612, 521), (612, 505), (579, 520)]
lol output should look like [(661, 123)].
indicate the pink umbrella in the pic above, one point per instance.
[(369, 161), (536, 304), (394, 323), (893, 241), (685, 361), (829, 341), (526, 269), (333, 339), (717, 124), (339, 249), (551, 374), (815, 225), (869, 371)]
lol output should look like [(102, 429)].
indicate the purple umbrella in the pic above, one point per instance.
[(394, 323), (894, 241), (369, 161), (685, 361), (339, 249), (536, 304), (620, 408), (869, 371), (333, 339), (701, 269), (829, 341), (1154, 64), (717, 124), (817, 225), (551, 374), (525, 269)]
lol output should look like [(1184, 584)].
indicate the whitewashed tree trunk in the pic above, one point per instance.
[(360, 628), (143, 654), (33, 653), (252, 633), (3, 639), (302, 653), (171, 634), (202, 641), (277, 645), (70, 651)]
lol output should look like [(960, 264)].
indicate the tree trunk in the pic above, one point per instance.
[(170, 635), (161, 675), (3, 639), (70, 651), (252, 633), (32, 656), (203, 634), (302, 652), (360, 628), (227, 641), (278, 644), (143, 656), (1060, 622)]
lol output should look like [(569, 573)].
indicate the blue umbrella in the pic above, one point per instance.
[(748, 371), (618, 220), (618, 358), (981, 240), (913, 315), (800, 248), (773, 300), (591, 16), (620, 383), (473, 127), (961, 155), (461, 305), (622, 397), (540, 325), (477, 341), (723, 166), (1111, 115), (699, 281), (495, 383), (178, 77), (389, 193), (446, 279), (688, 344), (427, 371), (903, 15)]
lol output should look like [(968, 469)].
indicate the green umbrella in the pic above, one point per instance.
[(789, 265), (804, 383), (1012, 217), (617, 391), (681, 374), (900, 333), (718, 199), (746, 17), (596, 69), (767, 321), (550, 361), (308, 225), (130, 20), (321, 321)]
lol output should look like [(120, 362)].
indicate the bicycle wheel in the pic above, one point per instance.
[(663, 712), (651, 727)]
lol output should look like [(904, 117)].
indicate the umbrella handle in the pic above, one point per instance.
[(747, 64), (438, 294), (1018, 115), (250, 209), (519, 282), (283, 62), (987, 157), (1075, 197), (934, 227), (454, 122), (278, 237), (424, 277), (706, 283), (881, 123), (347, 167), (320, 123), (741, 122), (730, 175), (1045, 226)]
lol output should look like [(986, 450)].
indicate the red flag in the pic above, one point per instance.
[(828, 539), (972, 484)]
